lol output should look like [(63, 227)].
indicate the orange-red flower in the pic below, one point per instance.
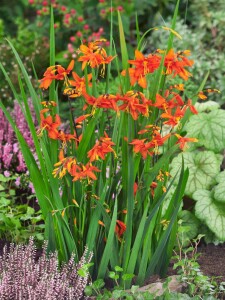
[(77, 170), (143, 65), (141, 147), (103, 101), (149, 146), (85, 172), (174, 119), (120, 228), (176, 63), (50, 124), (77, 86), (55, 72), (94, 55), (101, 148), (192, 108), (183, 140), (134, 103)]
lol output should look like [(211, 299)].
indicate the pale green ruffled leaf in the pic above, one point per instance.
[(209, 129), (219, 190), (203, 168), (211, 212), (206, 106), (220, 178)]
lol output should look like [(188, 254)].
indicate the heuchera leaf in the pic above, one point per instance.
[(206, 106), (203, 167), (209, 129), (219, 190), (211, 212)]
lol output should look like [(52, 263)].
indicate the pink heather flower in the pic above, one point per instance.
[(30, 185), (45, 3), (101, 1), (15, 147), (38, 12), (7, 155), (65, 55), (21, 166), (31, 1), (67, 16), (56, 25), (17, 181), (73, 11), (6, 173)]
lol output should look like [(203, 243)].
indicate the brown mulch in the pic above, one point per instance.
[(212, 261)]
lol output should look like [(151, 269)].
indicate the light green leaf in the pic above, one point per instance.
[(220, 178), (4, 179), (219, 192), (203, 168), (189, 227), (206, 106), (209, 129), (211, 212), (4, 202)]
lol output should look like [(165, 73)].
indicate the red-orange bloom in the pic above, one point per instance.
[(103, 101), (143, 65), (55, 72), (135, 103), (176, 63), (192, 108), (94, 55), (50, 125), (101, 148), (85, 172), (183, 140), (120, 228), (79, 84), (141, 147), (173, 120)]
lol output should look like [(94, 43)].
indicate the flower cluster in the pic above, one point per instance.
[(11, 158), (23, 276), (170, 105)]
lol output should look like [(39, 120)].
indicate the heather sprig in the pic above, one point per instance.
[(23, 276), (11, 158)]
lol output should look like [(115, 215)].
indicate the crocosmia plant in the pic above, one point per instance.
[(102, 183)]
